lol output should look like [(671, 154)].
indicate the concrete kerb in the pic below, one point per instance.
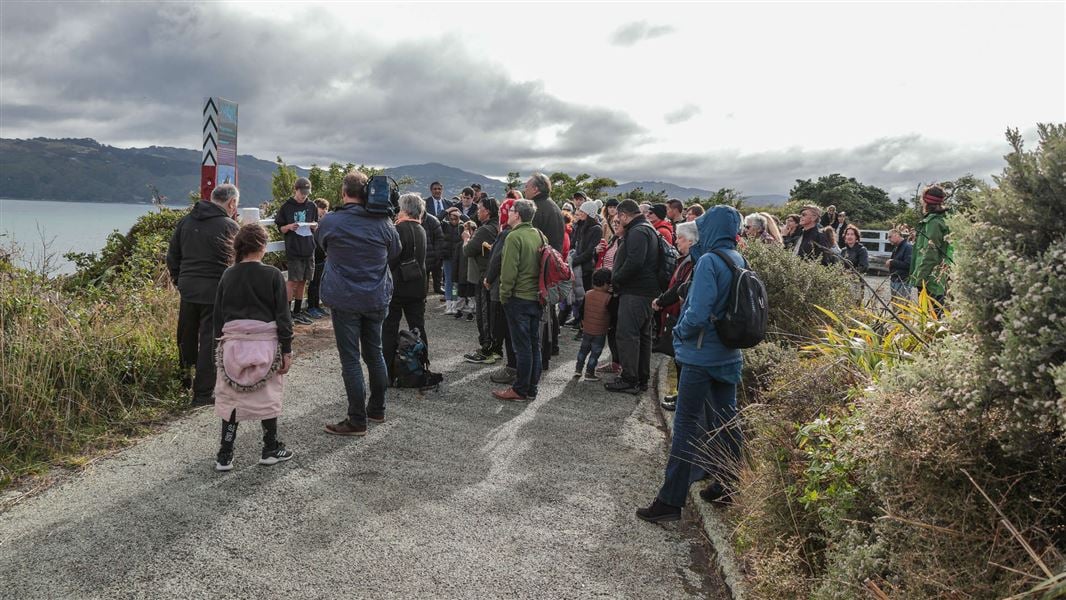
[(716, 528)]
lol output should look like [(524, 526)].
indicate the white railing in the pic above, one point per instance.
[(878, 247)]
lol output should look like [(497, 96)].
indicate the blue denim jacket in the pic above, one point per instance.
[(695, 337), (358, 249)]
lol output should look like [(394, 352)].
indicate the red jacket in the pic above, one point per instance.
[(666, 229)]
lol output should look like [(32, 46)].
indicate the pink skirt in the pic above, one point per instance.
[(247, 359)]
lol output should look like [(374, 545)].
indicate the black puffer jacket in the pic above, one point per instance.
[(200, 250), (586, 237), (636, 265), (451, 242)]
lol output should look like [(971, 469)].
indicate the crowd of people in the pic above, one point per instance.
[(483, 258)]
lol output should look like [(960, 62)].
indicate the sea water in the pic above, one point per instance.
[(37, 228)]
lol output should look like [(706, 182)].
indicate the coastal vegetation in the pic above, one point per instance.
[(920, 456)]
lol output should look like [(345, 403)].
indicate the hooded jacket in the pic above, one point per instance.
[(200, 251), (930, 251), (695, 336), (296, 245), (359, 247), (586, 238)]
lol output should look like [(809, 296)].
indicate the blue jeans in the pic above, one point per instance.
[(449, 279), (705, 432), (360, 333), (591, 348), (523, 323)]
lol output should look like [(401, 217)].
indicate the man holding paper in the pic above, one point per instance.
[(296, 219)]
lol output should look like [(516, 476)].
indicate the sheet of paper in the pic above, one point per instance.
[(303, 229)]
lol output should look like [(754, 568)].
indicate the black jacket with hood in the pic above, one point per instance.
[(549, 220), (434, 240), (296, 245), (200, 250)]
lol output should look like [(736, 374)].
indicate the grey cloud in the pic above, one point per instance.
[(123, 72), (682, 114), (631, 33)]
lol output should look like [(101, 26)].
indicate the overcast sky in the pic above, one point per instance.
[(750, 96)]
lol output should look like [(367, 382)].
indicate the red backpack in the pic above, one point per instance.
[(556, 277)]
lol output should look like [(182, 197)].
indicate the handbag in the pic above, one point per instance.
[(664, 344), (410, 270)]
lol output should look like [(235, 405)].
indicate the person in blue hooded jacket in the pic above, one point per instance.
[(707, 391)]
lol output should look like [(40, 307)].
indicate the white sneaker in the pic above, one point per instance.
[(449, 307)]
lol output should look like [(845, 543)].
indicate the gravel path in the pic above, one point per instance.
[(457, 495)]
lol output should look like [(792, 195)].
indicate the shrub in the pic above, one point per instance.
[(794, 286)]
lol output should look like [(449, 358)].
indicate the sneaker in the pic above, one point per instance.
[(278, 454), (577, 336), (347, 428), (316, 313), (504, 375), (458, 314), (669, 402), (469, 316), (591, 376), (224, 462), (577, 374), (659, 512), (622, 386), (479, 358), (609, 369), (301, 318)]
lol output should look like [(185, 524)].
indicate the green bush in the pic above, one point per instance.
[(794, 286)]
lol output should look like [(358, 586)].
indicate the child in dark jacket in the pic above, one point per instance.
[(595, 324), (253, 327)]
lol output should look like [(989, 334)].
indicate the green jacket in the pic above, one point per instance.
[(520, 268), (931, 252)]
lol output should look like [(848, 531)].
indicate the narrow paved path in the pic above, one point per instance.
[(457, 495)]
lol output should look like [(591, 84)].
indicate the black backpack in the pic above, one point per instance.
[(668, 257), (411, 365), (382, 196), (746, 310)]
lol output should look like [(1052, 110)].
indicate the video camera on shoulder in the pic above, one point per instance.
[(382, 196)]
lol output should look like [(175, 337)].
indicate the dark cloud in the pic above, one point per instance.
[(135, 73), (682, 114), (631, 33)]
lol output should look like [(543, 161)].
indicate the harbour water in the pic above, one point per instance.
[(31, 225)]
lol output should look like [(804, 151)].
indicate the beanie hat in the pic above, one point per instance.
[(611, 202), (659, 210), (591, 207), (933, 195), (568, 206), (505, 211)]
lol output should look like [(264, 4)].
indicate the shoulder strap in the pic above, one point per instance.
[(729, 261)]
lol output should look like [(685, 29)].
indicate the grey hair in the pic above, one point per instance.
[(541, 181), (412, 204), (525, 209), (224, 193), (757, 220), (688, 230)]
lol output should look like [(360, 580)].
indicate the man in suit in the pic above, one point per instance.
[(436, 204)]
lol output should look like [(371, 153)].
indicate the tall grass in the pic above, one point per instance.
[(83, 366)]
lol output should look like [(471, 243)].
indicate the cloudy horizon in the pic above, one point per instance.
[(751, 97)]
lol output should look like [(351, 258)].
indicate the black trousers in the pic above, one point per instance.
[(313, 299), (437, 275), (229, 433), (500, 339), (415, 311), (634, 338), (612, 331), (483, 318), (196, 346)]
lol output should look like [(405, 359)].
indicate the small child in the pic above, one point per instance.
[(253, 327), (594, 325)]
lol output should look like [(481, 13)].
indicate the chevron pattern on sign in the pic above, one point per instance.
[(210, 104), (209, 159), (210, 131)]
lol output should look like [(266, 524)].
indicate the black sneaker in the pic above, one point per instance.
[(622, 386), (503, 375), (591, 376), (669, 402), (469, 316), (279, 454), (224, 462), (458, 314), (717, 493), (302, 318), (659, 512)]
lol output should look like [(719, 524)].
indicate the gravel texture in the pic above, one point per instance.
[(456, 495)]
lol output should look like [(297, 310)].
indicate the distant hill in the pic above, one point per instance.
[(453, 179), (766, 200), (82, 170)]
